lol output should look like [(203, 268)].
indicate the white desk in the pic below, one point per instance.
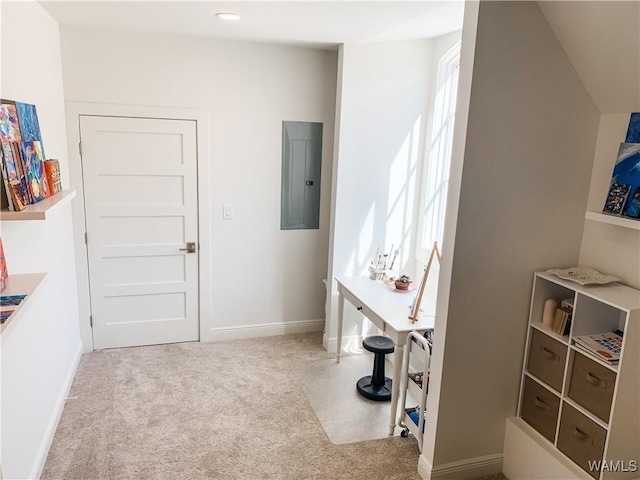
[(389, 311)]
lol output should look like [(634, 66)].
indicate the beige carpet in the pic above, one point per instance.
[(231, 410)]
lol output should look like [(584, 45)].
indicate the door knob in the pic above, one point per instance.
[(191, 248)]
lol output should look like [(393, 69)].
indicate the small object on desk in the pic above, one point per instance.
[(376, 273), (403, 283), (391, 285), (381, 264)]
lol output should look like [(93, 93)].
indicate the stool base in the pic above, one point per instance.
[(380, 393)]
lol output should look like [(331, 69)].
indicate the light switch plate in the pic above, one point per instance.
[(227, 212)]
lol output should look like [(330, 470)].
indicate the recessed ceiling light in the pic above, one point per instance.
[(228, 16)]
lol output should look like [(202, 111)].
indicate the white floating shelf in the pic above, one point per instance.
[(20, 284), (613, 220), (38, 211)]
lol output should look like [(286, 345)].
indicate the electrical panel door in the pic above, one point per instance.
[(301, 168)]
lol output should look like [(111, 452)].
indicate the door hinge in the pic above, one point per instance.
[(80, 148), (91, 320)]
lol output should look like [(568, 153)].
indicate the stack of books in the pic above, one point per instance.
[(562, 320), (8, 304), (606, 346)]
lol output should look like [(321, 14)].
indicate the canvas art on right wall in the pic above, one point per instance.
[(623, 197)]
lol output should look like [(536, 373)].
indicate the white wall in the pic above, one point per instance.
[(521, 183), (610, 249), (40, 352), (380, 142), (248, 90)]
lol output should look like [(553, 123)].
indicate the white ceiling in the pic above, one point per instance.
[(602, 38), (319, 24)]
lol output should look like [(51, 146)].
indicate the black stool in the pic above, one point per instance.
[(376, 386)]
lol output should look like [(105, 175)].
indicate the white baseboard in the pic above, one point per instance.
[(49, 433), (461, 470), (264, 330)]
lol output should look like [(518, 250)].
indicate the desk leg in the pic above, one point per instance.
[(395, 387), (340, 318)]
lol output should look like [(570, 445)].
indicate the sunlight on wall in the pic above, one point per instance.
[(402, 181), (366, 239)]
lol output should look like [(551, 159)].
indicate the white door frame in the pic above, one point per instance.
[(201, 117)]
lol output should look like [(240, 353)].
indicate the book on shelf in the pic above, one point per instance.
[(567, 303), (11, 300), (4, 315), (606, 346), (562, 320)]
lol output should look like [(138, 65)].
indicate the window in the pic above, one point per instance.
[(435, 175)]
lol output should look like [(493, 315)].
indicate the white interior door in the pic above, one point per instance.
[(140, 193)]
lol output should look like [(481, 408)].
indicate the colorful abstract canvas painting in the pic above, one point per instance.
[(4, 275), (33, 162), (12, 169), (626, 172), (633, 209), (9, 126), (633, 132), (28, 120), (616, 198)]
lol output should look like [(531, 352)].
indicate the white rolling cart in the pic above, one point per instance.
[(415, 374)]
